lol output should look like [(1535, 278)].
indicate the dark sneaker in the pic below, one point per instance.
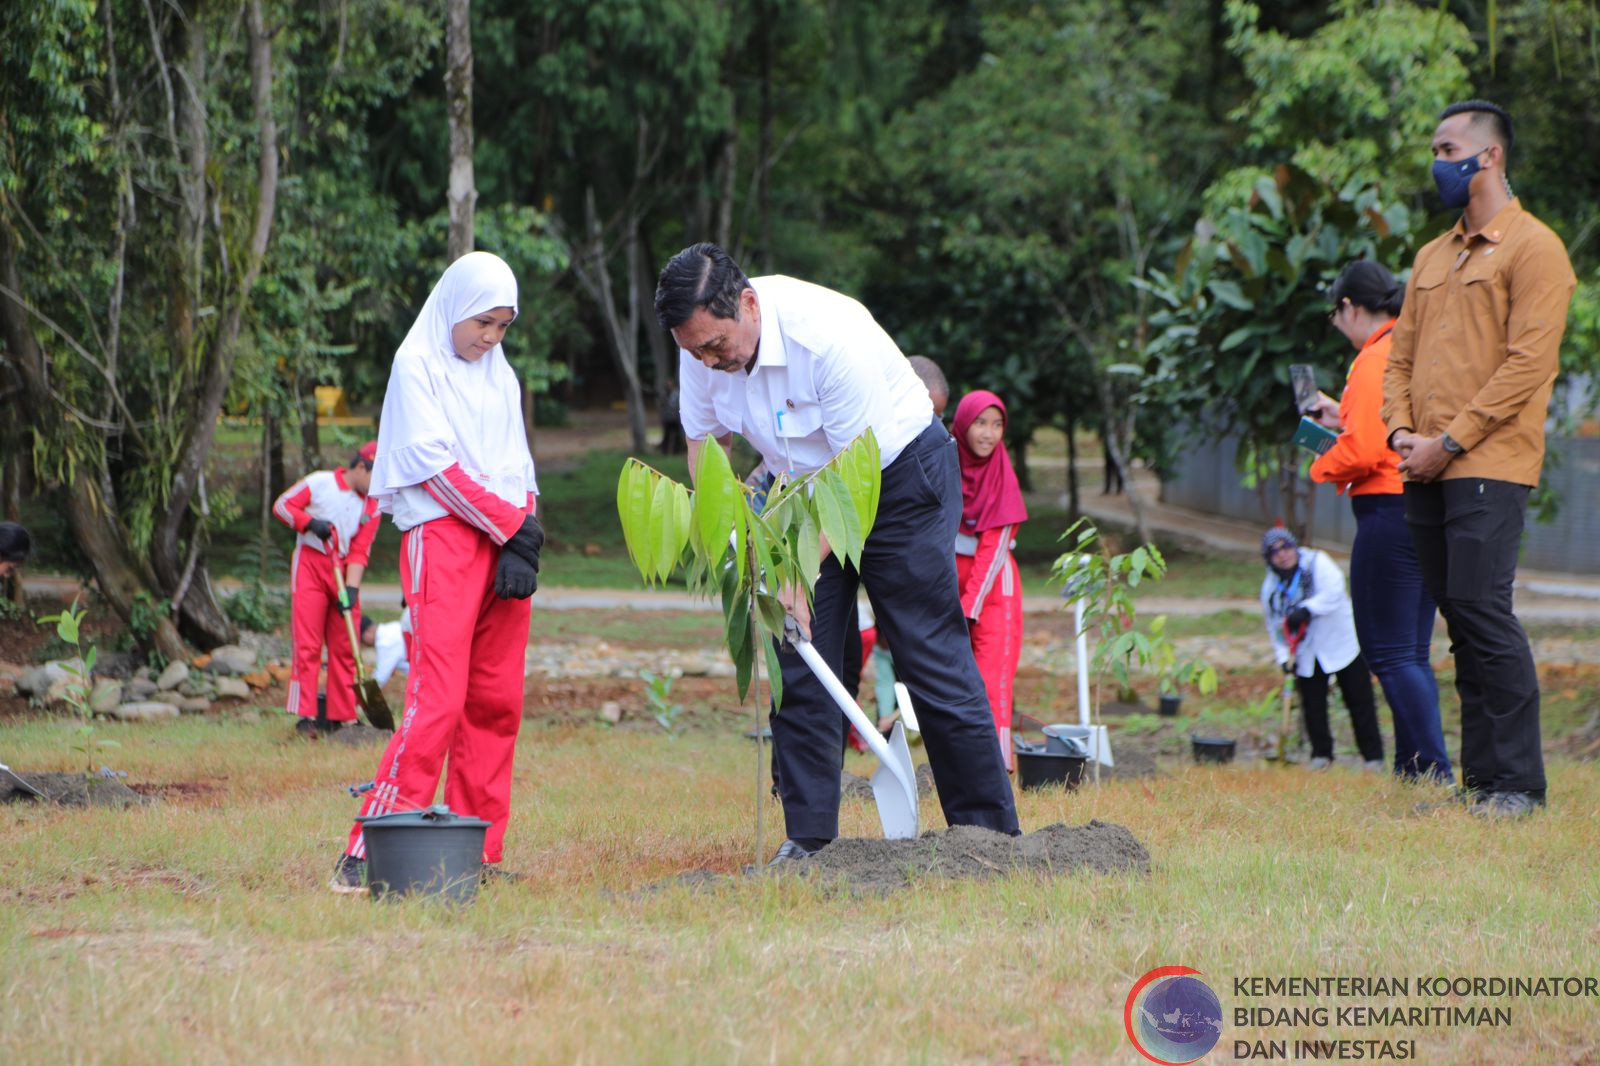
[(329, 727), (789, 852), (349, 876), (495, 874), (1506, 805), (306, 729)]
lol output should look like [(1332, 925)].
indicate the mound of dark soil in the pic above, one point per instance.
[(359, 735), (71, 790), (969, 852)]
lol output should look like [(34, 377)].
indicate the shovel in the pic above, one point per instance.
[(894, 785), (368, 694), (1281, 755), (17, 783)]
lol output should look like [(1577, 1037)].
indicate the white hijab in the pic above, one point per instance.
[(441, 409)]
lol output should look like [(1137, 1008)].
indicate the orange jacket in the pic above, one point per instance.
[(1360, 462)]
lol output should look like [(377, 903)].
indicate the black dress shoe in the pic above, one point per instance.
[(789, 852)]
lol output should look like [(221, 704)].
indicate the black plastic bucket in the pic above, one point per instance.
[(1169, 706), (1045, 769), (1212, 749), (432, 852)]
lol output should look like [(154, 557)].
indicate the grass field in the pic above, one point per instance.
[(198, 930)]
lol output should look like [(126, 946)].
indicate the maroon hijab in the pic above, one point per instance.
[(990, 497)]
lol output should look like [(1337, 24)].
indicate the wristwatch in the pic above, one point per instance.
[(1450, 444)]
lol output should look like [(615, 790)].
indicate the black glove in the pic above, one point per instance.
[(320, 528), (1287, 666), (515, 578), (518, 574), (1298, 617), (526, 542), (354, 595)]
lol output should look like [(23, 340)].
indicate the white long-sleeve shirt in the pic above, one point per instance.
[(825, 370), (390, 644), (1330, 640)]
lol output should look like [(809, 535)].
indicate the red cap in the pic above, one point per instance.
[(369, 451)]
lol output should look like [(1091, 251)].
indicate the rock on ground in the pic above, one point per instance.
[(140, 687), (232, 659), (174, 675), (106, 695), (232, 688), (144, 711), (38, 681)]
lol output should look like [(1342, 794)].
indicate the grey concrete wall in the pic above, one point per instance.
[(1206, 479)]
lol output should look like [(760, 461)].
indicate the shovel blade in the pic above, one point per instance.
[(370, 696), (894, 787)]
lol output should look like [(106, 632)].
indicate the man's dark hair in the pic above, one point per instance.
[(702, 275), (359, 460), (367, 622), (15, 543), (1369, 285), (1485, 114)]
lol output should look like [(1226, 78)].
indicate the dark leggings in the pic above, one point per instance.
[(1394, 622), (1355, 685)]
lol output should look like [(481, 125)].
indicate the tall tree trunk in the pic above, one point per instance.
[(95, 527), (1120, 421), (622, 330), (764, 142), (190, 588), (463, 196), (1072, 466)]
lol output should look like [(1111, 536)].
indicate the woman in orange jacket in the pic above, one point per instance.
[(1393, 611)]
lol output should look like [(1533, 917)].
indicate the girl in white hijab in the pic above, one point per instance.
[(454, 471)]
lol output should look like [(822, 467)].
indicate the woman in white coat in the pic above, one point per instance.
[(1313, 631)]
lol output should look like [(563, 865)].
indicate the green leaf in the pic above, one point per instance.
[(1228, 292), (770, 610), (635, 493), (676, 534), (1236, 338), (774, 672), (67, 627), (89, 660), (717, 500), (808, 548), (838, 514)]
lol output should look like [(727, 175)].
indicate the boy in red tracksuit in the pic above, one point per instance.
[(334, 517), (986, 571), (454, 472)]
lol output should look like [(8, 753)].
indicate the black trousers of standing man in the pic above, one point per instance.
[(1467, 532), (908, 569)]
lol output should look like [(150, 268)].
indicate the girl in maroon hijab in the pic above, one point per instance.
[(991, 588)]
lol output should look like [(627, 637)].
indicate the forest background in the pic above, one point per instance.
[(1121, 215)]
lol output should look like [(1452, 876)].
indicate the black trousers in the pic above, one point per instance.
[(908, 569), (1355, 685), (1467, 532)]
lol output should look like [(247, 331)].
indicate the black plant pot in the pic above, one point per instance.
[(1168, 708), (1043, 769), (1212, 749)]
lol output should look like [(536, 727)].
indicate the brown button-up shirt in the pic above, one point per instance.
[(1477, 346)]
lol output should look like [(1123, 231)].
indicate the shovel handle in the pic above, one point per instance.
[(841, 696)]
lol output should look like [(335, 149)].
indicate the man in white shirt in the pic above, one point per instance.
[(800, 371)]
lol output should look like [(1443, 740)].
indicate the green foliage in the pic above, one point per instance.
[(258, 607), (68, 625), (1248, 298), (1105, 582), (658, 693), (1355, 100), (742, 557)]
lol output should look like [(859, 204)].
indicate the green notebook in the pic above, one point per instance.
[(1313, 436)]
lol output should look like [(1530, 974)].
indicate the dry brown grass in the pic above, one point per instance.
[(198, 930)]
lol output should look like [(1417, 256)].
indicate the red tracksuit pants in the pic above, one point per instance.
[(314, 620), (997, 645), (464, 692)]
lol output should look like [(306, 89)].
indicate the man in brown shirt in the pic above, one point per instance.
[(1466, 394)]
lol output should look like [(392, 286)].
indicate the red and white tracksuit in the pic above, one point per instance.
[(314, 606), (991, 597), (464, 692)]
